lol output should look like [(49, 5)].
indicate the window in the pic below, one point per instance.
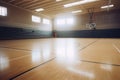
[(3, 11), (61, 22), (65, 21), (70, 21), (36, 19), (46, 21)]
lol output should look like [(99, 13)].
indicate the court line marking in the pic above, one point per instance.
[(88, 45), (31, 69), (116, 48), (99, 63), (19, 57), (15, 48)]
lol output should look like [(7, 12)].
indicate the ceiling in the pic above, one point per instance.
[(53, 8)]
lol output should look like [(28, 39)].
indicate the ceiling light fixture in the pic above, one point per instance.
[(58, 0), (78, 11), (40, 9), (79, 3), (107, 6)]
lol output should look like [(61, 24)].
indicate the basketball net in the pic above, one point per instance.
[(91, 24)]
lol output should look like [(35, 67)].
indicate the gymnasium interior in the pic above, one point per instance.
[(59, 39)]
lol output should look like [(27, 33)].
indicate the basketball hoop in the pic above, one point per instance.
[(91, 24)]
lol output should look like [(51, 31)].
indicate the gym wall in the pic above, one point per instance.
[(18, 24), (107, 25)]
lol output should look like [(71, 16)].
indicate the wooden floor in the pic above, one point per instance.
[(60, 59)]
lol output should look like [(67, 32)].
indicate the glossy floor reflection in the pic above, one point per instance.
[(60, 59)]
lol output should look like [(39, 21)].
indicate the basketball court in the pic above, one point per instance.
[(59, 39), (63, 58)]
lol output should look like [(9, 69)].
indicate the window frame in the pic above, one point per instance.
[(3, 11), (36, 19)]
